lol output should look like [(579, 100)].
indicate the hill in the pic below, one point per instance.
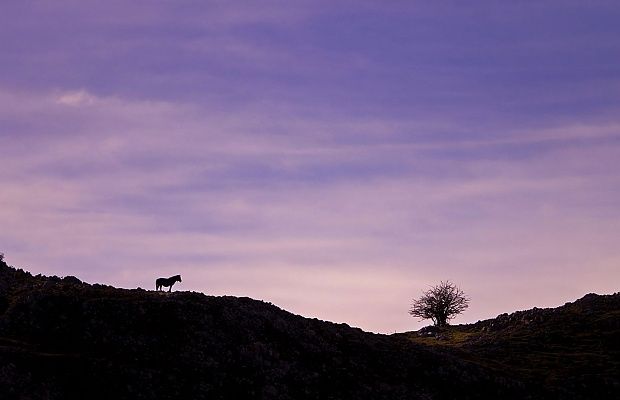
[(574, 349), (65, 339)]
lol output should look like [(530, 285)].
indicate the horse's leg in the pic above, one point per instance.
[(170, 288)]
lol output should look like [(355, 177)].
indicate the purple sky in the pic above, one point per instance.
[(335, 158)]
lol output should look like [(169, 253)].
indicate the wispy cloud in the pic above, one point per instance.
[(139, 187)]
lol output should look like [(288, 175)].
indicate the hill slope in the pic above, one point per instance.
[(64, 339), (574, 348)]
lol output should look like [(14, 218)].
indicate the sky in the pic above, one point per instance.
[(335, 158)]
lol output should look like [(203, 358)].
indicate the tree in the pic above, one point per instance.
[(440, 303)]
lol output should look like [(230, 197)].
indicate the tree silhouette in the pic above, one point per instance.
[(440, 304)]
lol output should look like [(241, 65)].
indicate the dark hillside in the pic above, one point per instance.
[(64, 339), (574, 348)]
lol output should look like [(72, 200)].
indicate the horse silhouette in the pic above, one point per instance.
[(167, 282)]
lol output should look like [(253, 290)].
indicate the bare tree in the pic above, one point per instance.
[(440, 303)]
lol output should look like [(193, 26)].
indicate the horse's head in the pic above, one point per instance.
[(178, 278)]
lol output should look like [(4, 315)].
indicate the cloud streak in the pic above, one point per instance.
[(239, 211)]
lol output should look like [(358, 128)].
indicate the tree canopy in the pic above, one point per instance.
[(440, 303)]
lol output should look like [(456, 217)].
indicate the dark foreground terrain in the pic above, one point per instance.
[(574, 349), (64, 339)]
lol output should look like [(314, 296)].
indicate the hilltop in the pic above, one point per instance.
[(61, 338)]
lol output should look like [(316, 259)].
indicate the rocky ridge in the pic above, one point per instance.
[(61, 338)]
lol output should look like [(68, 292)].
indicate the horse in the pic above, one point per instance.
[(159, 282)]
